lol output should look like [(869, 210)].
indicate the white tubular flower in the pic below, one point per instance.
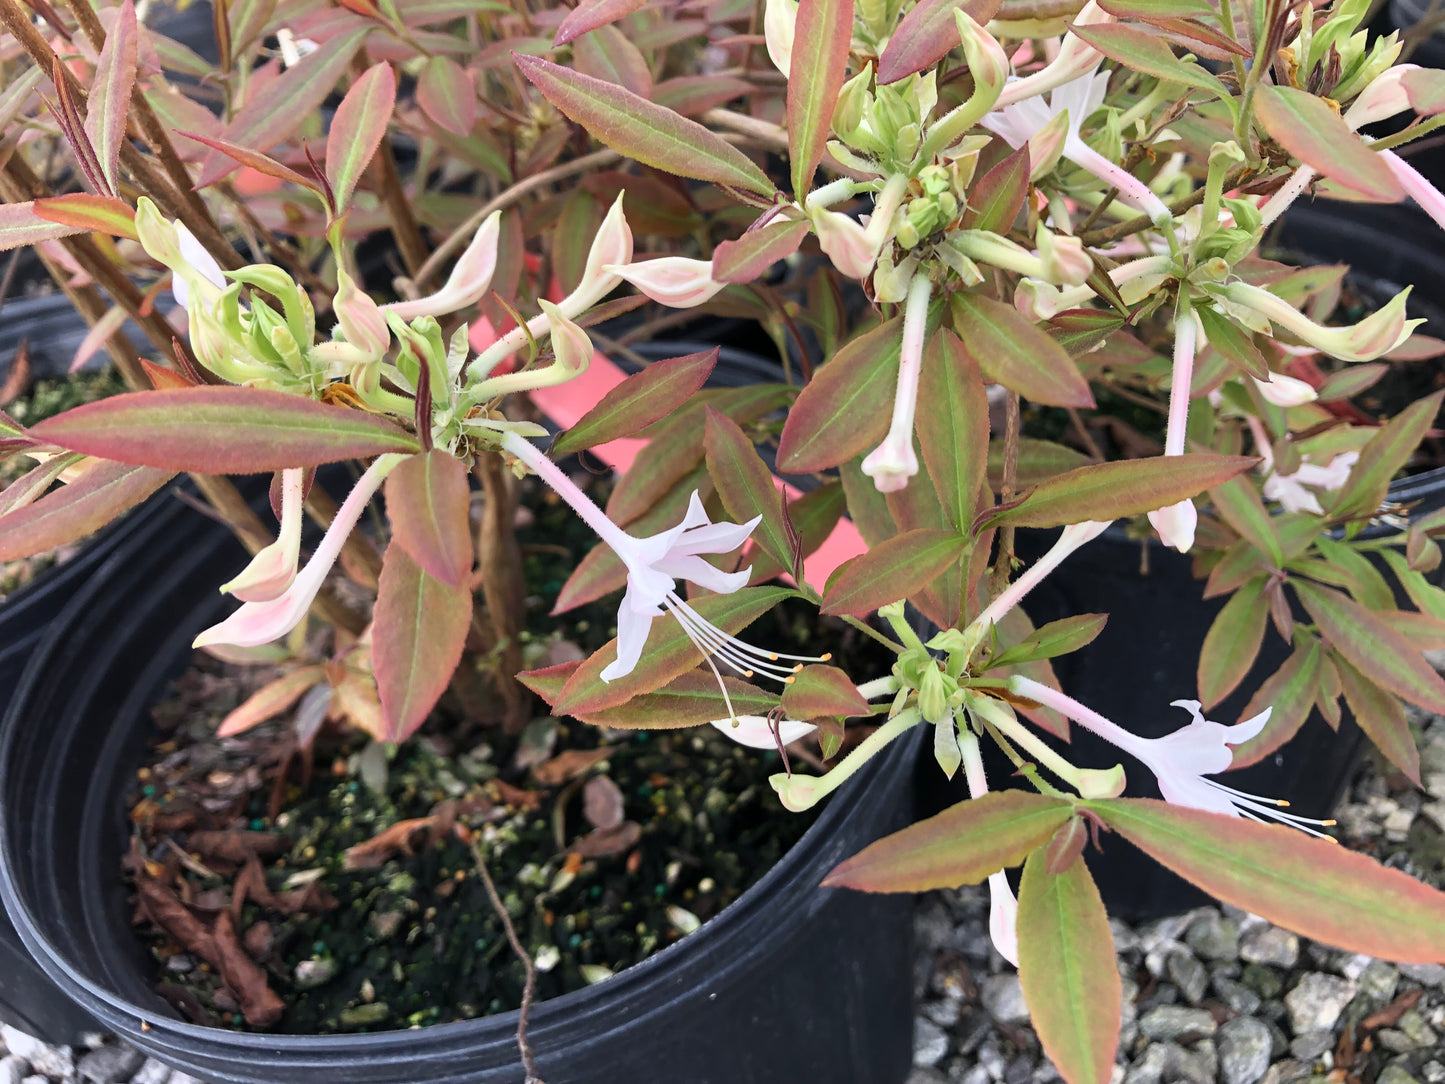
[(893, 462), (654, 565), (845, 242), (1176, 523), (799, 792), (1295, 492), (1383, 98), (1417, 187), (1075, 58), (1072, 537), (1180, 760), (260, 622), (1376, 334), (1003, 907), (756, 732), (571, 346), (273, 569), (779, 20), (674, 281), (469, 280)]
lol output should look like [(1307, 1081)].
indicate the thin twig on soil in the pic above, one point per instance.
[(529, 988)]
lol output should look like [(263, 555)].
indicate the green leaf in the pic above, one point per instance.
[(692, 95), (1149, 9), (1427, 597), (927, 34), (891, 570), (1140, 51), (1370, 645), (746, 486), (995, 201), (952, 426), (1312, 886), (1067, 968), (421, 626), (1363, 580), (645, 132), (1059, 637), (1232, 643), (822, 36), (1384, 455), (750, 256), (1038, 461), (867, 508), (20, 225), (669, 651), (607, 54), (843, 412), (638, 401), (823, 690), (1238, 504), (1382, 718), (1314, 133), (1234, 344), (1013, 352), (1125, 488), (356, 130), (108, 105), (687, 700), (963, 845), (176, 430), (1289, 694), (287, 102), (88, 212), (102, 492), (428, 501)]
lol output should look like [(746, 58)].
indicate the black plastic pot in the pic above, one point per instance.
[(1148, 653), (792, 982)]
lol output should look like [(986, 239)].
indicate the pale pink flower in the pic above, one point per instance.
[(1176, 523), (467, 283), (893, 462), (675, 281), (756, 732), (779, 20), (273, 569), (1285, 391)]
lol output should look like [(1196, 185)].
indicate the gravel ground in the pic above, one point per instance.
[(1213, 995)]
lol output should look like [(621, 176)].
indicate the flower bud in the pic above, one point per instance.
[(1100, 783), (987, 62), (779, 19), (1383, 98), (1046, 146), (892, 463), (933, 695), (1065, 261), (469, 280), (362, 322), (1378, 333), (854, 101), (1175, 525), (846, 243), (675, 281), (1285, 391), (1003, 917), (1075, 58), (1036, 299), (570, 344)]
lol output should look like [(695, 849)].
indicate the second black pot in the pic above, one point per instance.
[(790, 983)]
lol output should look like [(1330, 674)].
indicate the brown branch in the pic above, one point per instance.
[(1003, 563), (499, 565)]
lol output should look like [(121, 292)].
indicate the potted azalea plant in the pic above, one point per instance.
[(1063, 208)]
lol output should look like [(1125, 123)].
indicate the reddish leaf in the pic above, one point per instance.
[(101, 493), (996, 200), (823, 34), (1288, 693), (356, 130), (669, 652), (638, 401), (823, 690), (1386, 452), (1013, 352), (813, 515), (590, 14), (428, 502), (692, 95), (1318, 136), (689, 699), (963, 845), (606, 54), (108, 104), (1238, 504), (1382, 718), (637, 128), (270, 700), (447, 94), (20, 225), (1232, 643), (750, 256), (1312, 886), (746, 486), (261, 163), (927, 34), (84, 211), (891, 570), (952, 424), (421, 626), (1067, 969), (1125, 488), (265, 430), (841, 411), (1141, 51)]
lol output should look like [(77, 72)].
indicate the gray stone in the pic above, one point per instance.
[(1019, 1071), (52, 1061), (110, 1064), (1236, 995), (18, 1042), (1394, 1074), (1197, 1066), (1377, 983), (1317, 1001), (973, 1029), (152, 1072), (36, 1079), (1213, 937), (1244, 1050), (1175, 1021), (944, 1013), (1148, 1068), (1269, 945), (930, 1043), (1189, 975), (926, 1074), (992, 1060), (1433, 1072), (1003, 997), (179, 1077), (1311, 1044), (1412, 1032), (1288, 1071), (974, 1074), (1264, 981), (12, 1070), (1425, 974)]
